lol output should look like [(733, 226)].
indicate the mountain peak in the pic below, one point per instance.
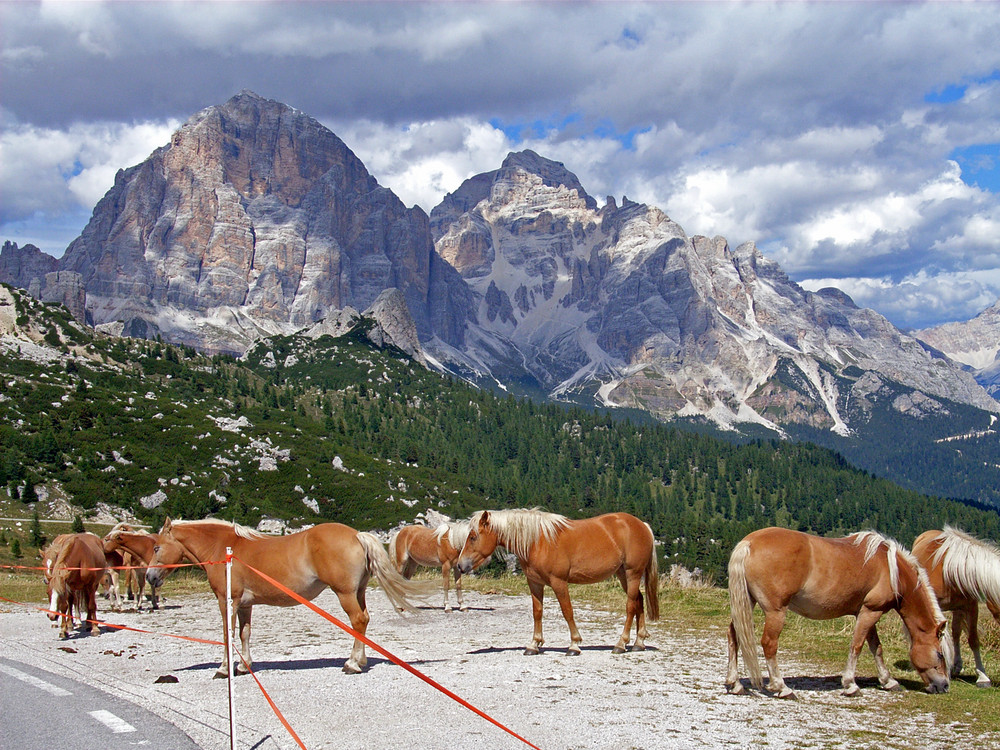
[(553, 173)]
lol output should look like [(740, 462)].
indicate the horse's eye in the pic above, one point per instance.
[(156, 549)]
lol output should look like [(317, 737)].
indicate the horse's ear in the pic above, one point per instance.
[(941, 628), (484, 518), (166, 525)]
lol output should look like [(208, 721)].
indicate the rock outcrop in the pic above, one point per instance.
[(974, 343), (255, 219), (621, 303)]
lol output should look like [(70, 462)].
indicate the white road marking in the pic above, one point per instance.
[(112, 722), (32, 680)]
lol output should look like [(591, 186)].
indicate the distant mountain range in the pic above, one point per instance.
[(256, 220)]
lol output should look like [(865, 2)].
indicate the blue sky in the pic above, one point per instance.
[(857, 143)]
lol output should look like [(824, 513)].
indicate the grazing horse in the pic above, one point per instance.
[(555, 551), (308, 561), (117, 561), (77, 568), (963, 570), (139, 545), (432, 548), (864, 575)]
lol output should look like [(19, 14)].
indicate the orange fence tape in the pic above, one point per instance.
[(392, 657), (323, 613)]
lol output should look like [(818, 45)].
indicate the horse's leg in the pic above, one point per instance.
[(633, 611), (561, 590), (227, 630), (353, 603), (537, 593), (884, 678), (458, 588), (243, 616), (733, 684), (140, 588), (982, 679), (91, 594), (774, 621), (446, 574), (865, 624), (957, 623)]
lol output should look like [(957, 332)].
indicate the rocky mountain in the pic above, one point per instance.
[(256, 220), (619, 304), (974, 343)]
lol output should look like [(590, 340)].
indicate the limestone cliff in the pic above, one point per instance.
[(256, 219)]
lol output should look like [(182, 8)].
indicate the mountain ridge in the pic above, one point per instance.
[(255, 220)]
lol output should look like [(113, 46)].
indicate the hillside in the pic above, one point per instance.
[(337, 429)]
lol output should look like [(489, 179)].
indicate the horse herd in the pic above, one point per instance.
[(864, 575)]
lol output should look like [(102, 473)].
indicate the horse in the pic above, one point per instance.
[(116, 561), (139, 545), (421, 545), (49, 555), (555, 551), (307, 562), (962, 570), (864, 574), (76, 570)]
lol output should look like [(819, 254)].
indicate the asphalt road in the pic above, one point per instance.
[(40, 710)]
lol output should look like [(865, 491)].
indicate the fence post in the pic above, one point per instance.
[(230, 663)]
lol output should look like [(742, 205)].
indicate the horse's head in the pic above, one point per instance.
[(931, 652), (167, 551), (479, 544)]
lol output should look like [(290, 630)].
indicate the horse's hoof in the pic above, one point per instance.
[(639, 647), (447, 609), (351, 668), (531, 652), (220, 675), (852, 691), (984, 683), (891, 686), (617, 650), (788, 695), (573, 651), (735, 688)]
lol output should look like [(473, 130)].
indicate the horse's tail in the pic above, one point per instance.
[(392, 550), (397, 589), (741, 607), (652, 584)]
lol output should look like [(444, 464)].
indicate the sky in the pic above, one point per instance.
[(857, 143)]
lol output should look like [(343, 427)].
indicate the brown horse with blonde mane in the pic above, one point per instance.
[(307, 562), (75, 566), (963, 571), (555, 551), (139, 546), (414, 546), (865, 575)]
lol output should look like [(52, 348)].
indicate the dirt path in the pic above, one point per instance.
[(669, 696)]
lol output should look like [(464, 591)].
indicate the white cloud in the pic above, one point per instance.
[(423, 161), (67, 171)]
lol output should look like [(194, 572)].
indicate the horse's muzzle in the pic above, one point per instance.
[(937, 686), (464, 566), (154, 577)]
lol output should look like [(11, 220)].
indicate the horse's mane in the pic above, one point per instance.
[(873, 541), (970, 565), (519, 529), (457, 531), (242, 531)]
